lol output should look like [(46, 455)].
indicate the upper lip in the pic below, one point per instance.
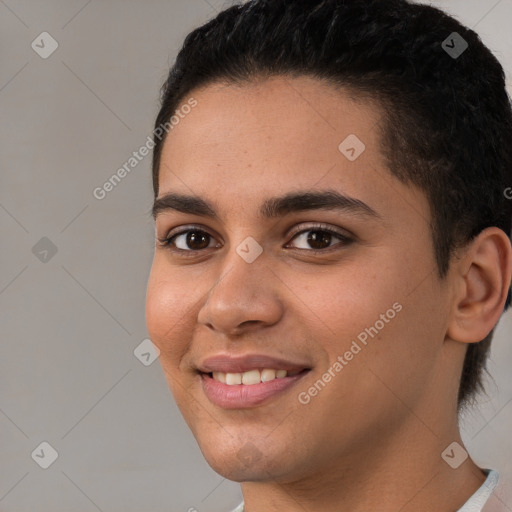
[(228, 363)]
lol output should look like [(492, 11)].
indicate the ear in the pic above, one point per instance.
[(482, 278)]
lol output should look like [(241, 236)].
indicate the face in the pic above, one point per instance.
[(338, 288)]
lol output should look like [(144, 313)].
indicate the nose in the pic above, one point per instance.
[(244, 298)]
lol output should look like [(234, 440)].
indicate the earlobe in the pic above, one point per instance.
[(482, 280)]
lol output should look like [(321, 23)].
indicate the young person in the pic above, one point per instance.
[(332, 185)]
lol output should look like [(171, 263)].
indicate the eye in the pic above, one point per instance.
[(319, 238), (189, 240)]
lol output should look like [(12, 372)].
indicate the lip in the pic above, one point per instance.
[(227, 363), (242, 396)]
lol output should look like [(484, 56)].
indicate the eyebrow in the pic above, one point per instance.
[(270, 208)]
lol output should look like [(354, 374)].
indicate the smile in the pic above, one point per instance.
[(252, 377), (248, 389)]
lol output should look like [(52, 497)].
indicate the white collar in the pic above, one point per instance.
[(482, 494)]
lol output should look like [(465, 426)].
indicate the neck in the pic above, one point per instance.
[(406, 473)]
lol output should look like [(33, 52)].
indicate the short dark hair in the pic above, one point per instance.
[(447, 119)]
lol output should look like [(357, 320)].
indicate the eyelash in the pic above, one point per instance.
[(167, 241)]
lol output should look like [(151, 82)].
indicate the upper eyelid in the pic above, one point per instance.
[(297, 229), (189, 227), (320, 226)]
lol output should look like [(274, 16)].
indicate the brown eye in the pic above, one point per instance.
[(197, 240), (189, 240), (319, 239)]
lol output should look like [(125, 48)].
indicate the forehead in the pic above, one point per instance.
[(274, 117), (272, 136), (285, 120)]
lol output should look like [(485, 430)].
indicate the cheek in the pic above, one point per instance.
[(166, 320), (394, 360), (395, 324), (343, 305), (403, 345)]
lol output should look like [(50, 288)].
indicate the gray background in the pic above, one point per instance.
[(70, 324)]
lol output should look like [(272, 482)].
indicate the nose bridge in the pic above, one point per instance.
[(243, 292), (242, 269)]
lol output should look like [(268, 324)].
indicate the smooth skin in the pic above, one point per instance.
[(372, 438)]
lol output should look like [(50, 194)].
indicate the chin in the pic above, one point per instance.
[(239, 473), (244, 461)]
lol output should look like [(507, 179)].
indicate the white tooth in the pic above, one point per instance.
[(233, 378), (251, 377), (280, 374), (220, 376), (268, 374)]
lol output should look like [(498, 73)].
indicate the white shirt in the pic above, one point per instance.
[(475, 502)]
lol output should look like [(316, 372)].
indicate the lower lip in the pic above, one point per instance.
[(240, 396)]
